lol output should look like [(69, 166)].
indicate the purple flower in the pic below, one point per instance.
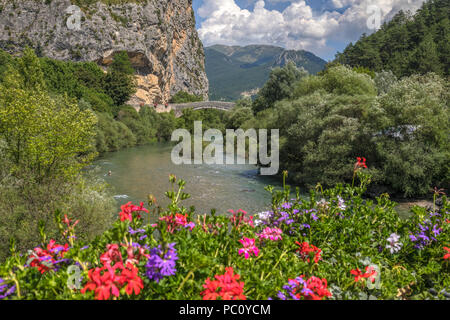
[(286, 205), (293, 287), (281, 295), (161, 264), (190, 225), (133, 232), (4, 290), (427, 231)]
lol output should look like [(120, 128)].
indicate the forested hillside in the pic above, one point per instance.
[(408, 44), (234, 71)]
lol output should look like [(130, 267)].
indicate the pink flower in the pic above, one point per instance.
[(273, 234), (249, 247), (111, 255)]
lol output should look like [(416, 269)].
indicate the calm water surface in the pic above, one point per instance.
[(140, 171)]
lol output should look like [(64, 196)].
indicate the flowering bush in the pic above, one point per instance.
[(343, 245)]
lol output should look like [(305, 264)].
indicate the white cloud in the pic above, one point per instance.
[(297, 27)]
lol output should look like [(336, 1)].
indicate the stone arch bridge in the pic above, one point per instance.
[(178, 107)]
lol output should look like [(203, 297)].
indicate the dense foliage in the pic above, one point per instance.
[(325, 121), (407, 44), (331, 245), (184, 97), (45, 142)]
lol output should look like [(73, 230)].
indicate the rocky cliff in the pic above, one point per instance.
[(159, 36)]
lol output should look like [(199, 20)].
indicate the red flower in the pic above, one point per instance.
[(128, 210), (108, 280), (134, 282), (306, 251), (318, 287), (312, 289), (361, 163), (447, 255), (369, 274), (44, 260), (224, 286), (177, 221)]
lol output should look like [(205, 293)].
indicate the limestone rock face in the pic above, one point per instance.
[(158, 35)]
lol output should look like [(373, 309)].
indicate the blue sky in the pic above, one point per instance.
[(320, 26)]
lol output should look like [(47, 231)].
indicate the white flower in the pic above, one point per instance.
[(394, 245), (341, 203), (262, 217)]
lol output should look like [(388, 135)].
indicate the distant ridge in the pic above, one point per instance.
[(234, 70)]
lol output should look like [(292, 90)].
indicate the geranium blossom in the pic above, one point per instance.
[(177, 221), (369, 274), (112, 254), (240, 218), (360, 163), (45, 260), (447, 255), (273, 234), (312, 289), (306, 251), (249, 247), (224, 287), (109, 280), (128, 209)]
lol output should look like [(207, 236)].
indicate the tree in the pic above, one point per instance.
[(279, 86), (30, 69), (119, 82), (45, 137), (426, 57), (412, 143)]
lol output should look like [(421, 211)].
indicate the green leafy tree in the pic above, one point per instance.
[(30, 69), (44, 136), (414, 147), (279, 86), (119, 82)]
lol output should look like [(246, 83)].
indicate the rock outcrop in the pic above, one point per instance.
[(158, 35)]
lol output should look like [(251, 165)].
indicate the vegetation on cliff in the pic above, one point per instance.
[(408, 44)]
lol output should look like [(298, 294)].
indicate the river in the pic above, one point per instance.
[(140, 171)]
